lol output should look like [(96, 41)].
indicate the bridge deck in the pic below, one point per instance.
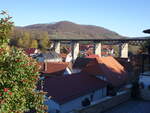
[(92, 39), (132, 41)]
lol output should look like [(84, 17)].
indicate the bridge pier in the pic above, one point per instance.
[(123, 50), (57, 46), (97, 48), (75, 50)]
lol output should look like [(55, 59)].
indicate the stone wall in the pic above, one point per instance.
[(106, 103)]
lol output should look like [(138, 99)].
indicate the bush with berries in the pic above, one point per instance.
[(18, 76)]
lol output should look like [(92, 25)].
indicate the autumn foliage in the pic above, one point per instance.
[(18, 76)]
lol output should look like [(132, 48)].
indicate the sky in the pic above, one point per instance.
[(126, 17)]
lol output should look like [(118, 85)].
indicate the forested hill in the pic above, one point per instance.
[(38, 35), (66, 29)]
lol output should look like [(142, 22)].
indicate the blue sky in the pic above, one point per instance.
[(126, 17)]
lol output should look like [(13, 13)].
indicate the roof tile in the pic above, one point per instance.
[(53, 67), (108, 67), (66, 88)]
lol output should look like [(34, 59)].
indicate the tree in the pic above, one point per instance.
[(18, 76), (26, 39), (44, 42), (34, 44), (15, 36), (145, 47), (20, 42)]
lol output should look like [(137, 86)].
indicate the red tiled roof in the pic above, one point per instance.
[(89, 52), (81, 62), (66, 88), (30, 51), (83, 47), (108, 67), (56, 68), (106, 46), (92, 56), (104, 53)]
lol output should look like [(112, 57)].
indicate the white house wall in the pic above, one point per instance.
[(69, 57)]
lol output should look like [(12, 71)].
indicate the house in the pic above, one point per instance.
[(107, 68), (31, 51), (54, 68), (106, 50), (67, 93), (128, 67), (69, 57), (80, 63), (63, 56), (88, 52), (50, 56), (66, 57)]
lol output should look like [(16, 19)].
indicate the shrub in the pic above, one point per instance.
[(18, 76)]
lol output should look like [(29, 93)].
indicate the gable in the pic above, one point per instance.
[(108, 67)]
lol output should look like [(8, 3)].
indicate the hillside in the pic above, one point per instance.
[(65, 29)]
